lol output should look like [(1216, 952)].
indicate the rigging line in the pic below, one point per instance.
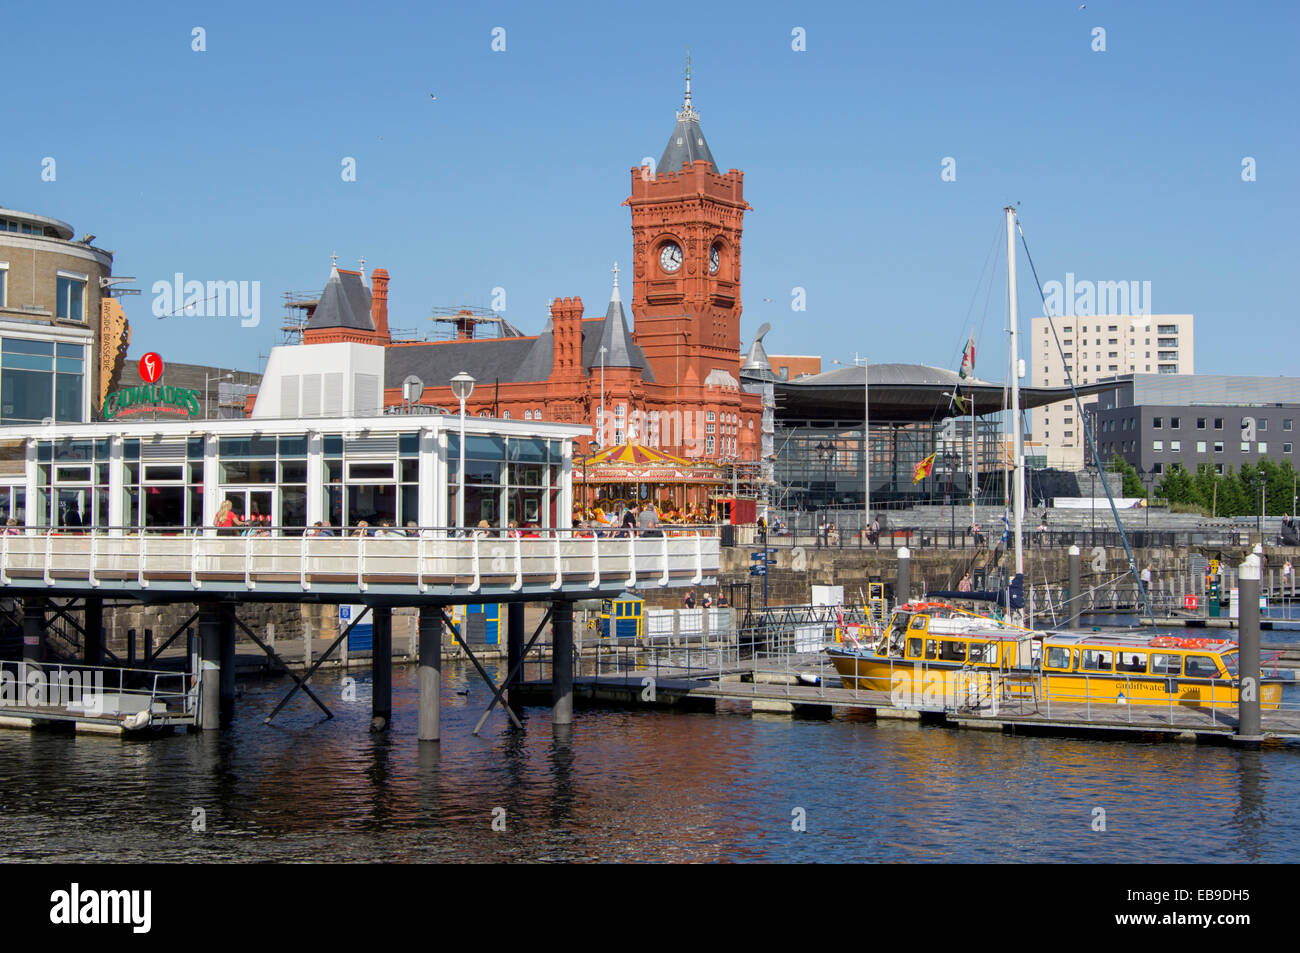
[(1087, 430), (970, 307)]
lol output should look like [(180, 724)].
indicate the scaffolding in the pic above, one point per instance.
[(458, 323), (298, 308)]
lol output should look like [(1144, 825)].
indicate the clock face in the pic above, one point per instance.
[(714, 260), (670, 257)]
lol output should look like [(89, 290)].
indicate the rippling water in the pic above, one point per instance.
[(630, 785)]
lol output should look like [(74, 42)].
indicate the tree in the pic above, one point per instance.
[(1132, 482), (1176, 486)]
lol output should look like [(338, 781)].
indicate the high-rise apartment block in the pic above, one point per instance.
[(1095, 348)]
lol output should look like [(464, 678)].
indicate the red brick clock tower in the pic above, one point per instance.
[(686, 226)]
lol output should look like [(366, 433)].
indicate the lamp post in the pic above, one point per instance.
[(824, 450), (218, 377), (602, 395), (866, 443), (462, 385)]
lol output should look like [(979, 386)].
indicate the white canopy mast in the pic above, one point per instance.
[(1017, 439)]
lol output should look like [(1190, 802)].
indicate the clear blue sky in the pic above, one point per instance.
[(225, 164)]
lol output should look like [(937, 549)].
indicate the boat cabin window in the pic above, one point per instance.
[(983, 652), (1201, 666), (913, 648), (1097, 660), (1058, 657), (952, 651), (1166, 665), (931, 649), (1134, 662), (919, 622), (1229, 660)]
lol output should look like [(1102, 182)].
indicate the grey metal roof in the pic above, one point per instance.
[(345, 303), (901, 393)]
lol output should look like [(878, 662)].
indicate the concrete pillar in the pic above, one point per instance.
[(562, 662), (515, 638), (381, 668), (429, 675), (1076, 587), (33, 629), (93, 645), (226, 629), (1248, 728), (903, 586), (209, 667)]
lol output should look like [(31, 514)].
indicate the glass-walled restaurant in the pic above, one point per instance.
[(172, 477)]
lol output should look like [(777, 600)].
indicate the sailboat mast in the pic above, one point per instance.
[(1017, 437), (974, 453)]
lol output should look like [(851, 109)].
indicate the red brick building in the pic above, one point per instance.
[(670, 379)]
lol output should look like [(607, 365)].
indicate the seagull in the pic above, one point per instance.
[(431, 96), (1083, 6)]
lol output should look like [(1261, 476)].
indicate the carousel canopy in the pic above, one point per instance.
[(634, 463)]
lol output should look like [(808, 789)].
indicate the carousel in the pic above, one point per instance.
[(631, 474)]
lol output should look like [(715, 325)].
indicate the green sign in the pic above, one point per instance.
[(151, 398)]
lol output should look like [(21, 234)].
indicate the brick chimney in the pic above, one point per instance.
[(379, 305), (566, 331)]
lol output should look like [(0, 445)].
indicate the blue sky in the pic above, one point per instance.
[(225, 164)]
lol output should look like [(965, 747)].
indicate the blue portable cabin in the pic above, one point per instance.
[(623, 617)]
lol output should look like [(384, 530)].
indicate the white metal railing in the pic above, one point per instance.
[(427, 556), (74, 690)]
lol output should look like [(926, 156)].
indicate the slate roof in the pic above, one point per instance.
[(686, 144), (345, 303), (437, 363), (620, 349)]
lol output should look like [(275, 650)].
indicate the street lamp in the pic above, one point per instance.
[(462, 385), (825, 450), (218, 377), (601, 438), (866, 443)]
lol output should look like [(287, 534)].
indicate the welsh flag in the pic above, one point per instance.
[(968, 359), (922, 469)]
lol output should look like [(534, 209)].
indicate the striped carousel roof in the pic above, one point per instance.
[(633, 462)]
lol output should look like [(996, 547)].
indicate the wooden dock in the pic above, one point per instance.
[(784, 692)]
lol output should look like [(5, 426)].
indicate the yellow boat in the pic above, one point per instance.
[(936, 655)]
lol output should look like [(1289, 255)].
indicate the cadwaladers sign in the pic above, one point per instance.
[(150, 398)]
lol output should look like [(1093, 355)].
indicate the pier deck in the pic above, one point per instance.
[(781, 691)]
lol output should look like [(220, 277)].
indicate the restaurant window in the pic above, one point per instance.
[(71, 291), (40, 380)]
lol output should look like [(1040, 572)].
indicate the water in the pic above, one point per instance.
[(634, 784)]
